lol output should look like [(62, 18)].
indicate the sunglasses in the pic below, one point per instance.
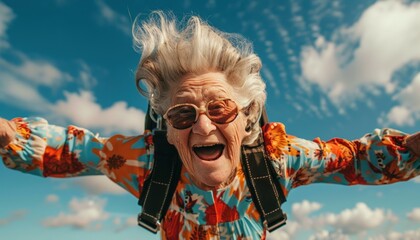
[(184, 115)]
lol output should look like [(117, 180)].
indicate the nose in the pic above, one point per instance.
[(204, 126)]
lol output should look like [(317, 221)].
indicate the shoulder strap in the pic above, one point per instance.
[(161, 184), (263, 185)]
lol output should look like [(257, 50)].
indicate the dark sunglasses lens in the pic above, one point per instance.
[(182, 117), (222, 111)]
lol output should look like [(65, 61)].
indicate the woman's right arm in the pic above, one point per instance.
[(33, 146)]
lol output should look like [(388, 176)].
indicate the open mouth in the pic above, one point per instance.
[(209, 152)]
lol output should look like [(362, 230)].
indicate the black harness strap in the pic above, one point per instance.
[(264, 187), (161, 184)]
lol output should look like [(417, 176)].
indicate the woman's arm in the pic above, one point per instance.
[(381, 157), (41, 149)]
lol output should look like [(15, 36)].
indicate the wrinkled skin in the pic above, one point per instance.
[(198, 90)]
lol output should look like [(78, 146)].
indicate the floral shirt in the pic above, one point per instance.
[(229, 213)]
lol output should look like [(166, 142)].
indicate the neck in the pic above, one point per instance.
[(206, 187)]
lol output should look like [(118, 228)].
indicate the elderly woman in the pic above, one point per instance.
[(207, 87)]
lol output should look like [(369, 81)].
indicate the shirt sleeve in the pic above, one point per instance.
[(377, 158), (51, 151)]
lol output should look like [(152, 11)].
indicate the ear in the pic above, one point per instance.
[(248, 130), (251, 114)]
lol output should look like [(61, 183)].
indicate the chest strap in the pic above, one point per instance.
[(263, 185), (160, 186)]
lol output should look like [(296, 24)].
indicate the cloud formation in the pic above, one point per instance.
[(358, 219), (79, 108), (14, 216), (406, 235), (129, 222), (407, 111), (360, 60), (21, 82), (113, 18), (96, 185), (83, 214), (414, 215), (6, 16), (355, 221), (117, 117), (52, 198)]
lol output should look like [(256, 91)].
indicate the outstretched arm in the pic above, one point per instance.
[(382, 157), (31, 145)]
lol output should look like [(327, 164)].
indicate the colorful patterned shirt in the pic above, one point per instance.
[(229, 213)]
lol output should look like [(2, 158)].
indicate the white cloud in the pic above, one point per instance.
[(42, 73), (83, 213), (18, 93), (361, 59), (86, 77), (14, 216), (83, 110), (6, 16), (119, 21), (300, 213), (399, 115), (358, 219), (98, 185), (52, 198), (21, 81), (287, 232), (302, 210), (326, 235), (19, 86), (35, 72), (414, 215), (129, 222), (408, 235), (408, 110)]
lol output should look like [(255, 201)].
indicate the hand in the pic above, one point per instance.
[(7, 132), (413, 143)]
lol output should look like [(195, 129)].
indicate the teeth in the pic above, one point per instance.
[(208, 152), (206, 145)]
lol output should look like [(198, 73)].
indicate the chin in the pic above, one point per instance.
[(210, 182)]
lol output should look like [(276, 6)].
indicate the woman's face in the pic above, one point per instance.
[(209, 151)]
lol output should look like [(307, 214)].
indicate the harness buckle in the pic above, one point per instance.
[(154, 228), (277, 224)]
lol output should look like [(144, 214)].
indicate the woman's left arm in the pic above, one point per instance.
[(382, 157)]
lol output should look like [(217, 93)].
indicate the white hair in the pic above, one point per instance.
[(169, 53)]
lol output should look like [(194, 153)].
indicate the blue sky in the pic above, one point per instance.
[(333, 69)]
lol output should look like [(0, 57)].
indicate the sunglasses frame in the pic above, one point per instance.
[(199, 111)]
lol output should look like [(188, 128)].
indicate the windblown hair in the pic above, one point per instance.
[(170, 50)]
